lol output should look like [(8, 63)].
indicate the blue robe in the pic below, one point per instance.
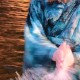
[(47, 26)]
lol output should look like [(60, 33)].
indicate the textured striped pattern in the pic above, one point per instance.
[(13, 14)]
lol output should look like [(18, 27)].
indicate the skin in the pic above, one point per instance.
[(63, 56)]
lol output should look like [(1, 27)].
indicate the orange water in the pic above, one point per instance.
[(13, 15)]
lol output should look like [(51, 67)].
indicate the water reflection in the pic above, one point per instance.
[(13, 14)]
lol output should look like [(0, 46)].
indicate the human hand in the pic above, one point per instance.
[(63, 56)]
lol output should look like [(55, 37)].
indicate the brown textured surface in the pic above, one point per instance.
[(13, 15)]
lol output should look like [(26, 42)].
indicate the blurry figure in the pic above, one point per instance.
[(52, 36), (64, 67)]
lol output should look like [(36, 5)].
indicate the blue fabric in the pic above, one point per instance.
[(47, 26)]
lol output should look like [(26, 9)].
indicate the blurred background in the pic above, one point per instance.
[(13, 14)]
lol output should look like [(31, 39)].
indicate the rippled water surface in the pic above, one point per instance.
[(13, 15)]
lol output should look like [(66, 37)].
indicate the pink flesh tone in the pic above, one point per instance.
[(63, 56), (64, 61)]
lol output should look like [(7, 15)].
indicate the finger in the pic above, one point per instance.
[(63, 49), (69, 49)]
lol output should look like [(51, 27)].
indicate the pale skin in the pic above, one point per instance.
[(63, 56)]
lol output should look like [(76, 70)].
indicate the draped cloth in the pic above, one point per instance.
[(48, 25)]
